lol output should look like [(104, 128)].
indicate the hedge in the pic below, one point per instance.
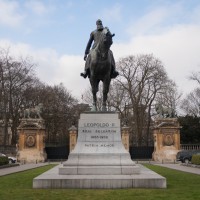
[(4, 160), (196, 159)]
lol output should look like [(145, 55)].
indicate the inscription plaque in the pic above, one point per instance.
[(99, 134)]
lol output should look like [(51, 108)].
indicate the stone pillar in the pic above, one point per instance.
[(72, 138), (166, 135), (31, 143), (125, 137)]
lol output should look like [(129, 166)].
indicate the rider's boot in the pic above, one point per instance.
[(114, 73), (84, 74)]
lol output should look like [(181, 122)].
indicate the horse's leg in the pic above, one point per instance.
[(106, 85), (94, 85), (94, 107)]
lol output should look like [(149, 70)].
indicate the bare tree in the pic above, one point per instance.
[(20, 88), (15, 76), (191, 104), (195, 76), (169, 96), (142, 77), (59, 110)]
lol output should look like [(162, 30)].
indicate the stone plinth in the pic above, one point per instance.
[(99, 148), (31, 141), (166, 140), (53, 180), (99, 160)]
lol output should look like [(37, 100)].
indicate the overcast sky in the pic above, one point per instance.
[(55, 33)]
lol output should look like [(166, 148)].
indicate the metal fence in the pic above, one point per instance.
[(190, 146), (62, 152), (142, 152), (57, 153)]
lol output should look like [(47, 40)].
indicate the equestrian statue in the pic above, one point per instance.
[(100, 63)]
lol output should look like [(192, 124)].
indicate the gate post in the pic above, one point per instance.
[(72, 137), (31, 144), (125, 137), (166, 139)]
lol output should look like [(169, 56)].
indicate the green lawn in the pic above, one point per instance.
[(180, 186)]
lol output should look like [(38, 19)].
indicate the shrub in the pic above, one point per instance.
[(3, 160), (196, 159)]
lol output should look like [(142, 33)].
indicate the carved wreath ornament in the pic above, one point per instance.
[(30, 141), (168, 140)]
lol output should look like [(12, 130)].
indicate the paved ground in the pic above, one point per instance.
[(20, 168), (180, 167), (24, 167)]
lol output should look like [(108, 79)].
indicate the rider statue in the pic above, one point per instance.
[(95, 36)]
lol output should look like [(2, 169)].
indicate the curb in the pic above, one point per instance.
[(190, 165), (9, 165)]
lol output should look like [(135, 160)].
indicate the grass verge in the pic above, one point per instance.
[(180, 185)]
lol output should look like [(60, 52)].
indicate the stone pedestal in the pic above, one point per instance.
[(31, 141), (99, 159), (99, 148), (166, 140)]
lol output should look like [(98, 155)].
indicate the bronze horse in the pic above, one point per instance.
[(100, 66)]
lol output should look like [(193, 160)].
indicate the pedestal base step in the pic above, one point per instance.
[(146, 179), (99, 170)]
